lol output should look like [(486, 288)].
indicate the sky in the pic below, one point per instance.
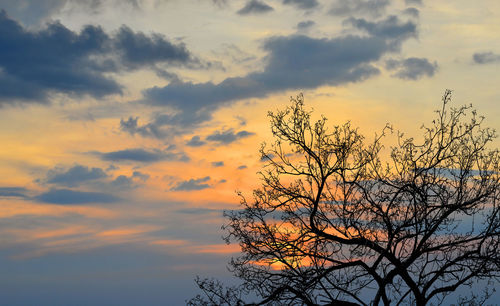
[(127, 127)]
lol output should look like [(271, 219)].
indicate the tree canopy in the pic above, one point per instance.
[(342, 220)]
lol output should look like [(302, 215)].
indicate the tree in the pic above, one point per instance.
[(337, 222)]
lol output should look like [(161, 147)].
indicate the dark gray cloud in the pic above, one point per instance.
[(32, 12), (267, 157), (486, 57), (305, 25), (195, 141), (138, 49), (141, 176), (391, 28), (414, 2), (227, 136), (57, 60), (192, 184), (13, 192), (199, 211), (74, 176), (123, 181), (359, 7), (145, 156), (295, 62), (167, 124), (220, 3), (255, 7), (242, 167), (302, 4), (218, 164), (411, 11), (412, 68), (132, 127), (67, 196), (129, 182), (54, 59)]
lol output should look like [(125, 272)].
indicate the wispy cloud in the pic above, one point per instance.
[(302, 4), (357, 7), (143, 155), (13, 192), (73, 197), (192, 184), (255, 7), (228, 136), (412, 68), (488, 57)]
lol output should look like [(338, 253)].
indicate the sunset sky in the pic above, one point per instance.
[(128, 126)]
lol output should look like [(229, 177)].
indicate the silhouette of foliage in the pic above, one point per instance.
[(337, 222)]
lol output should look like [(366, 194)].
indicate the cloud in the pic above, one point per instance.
[(199, 211), (129, 182), (74, 176), (167, 124), (218, 164), (267, 157), (305, 25), (54, 59), (13, 192), (141, 155), (32, 12), (255, 7), (141, 176), (138, 49), (391, 28), (411, 11), (227, 136), (195, 141), (242, 167), (412, 68), (295, 62), (123, 181), (67, 196), (220, 3), (34, 65), (192, 184), (302, 4), (132, 127), (414, 2), (486, 57), (359, 7)]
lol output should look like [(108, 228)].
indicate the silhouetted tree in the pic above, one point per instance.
[(336, 223)]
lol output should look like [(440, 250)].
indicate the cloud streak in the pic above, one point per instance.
[(192, 184), (227, 136), (356, 7), (19, 192), (72, 197), (142, 155), (302, 4)]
